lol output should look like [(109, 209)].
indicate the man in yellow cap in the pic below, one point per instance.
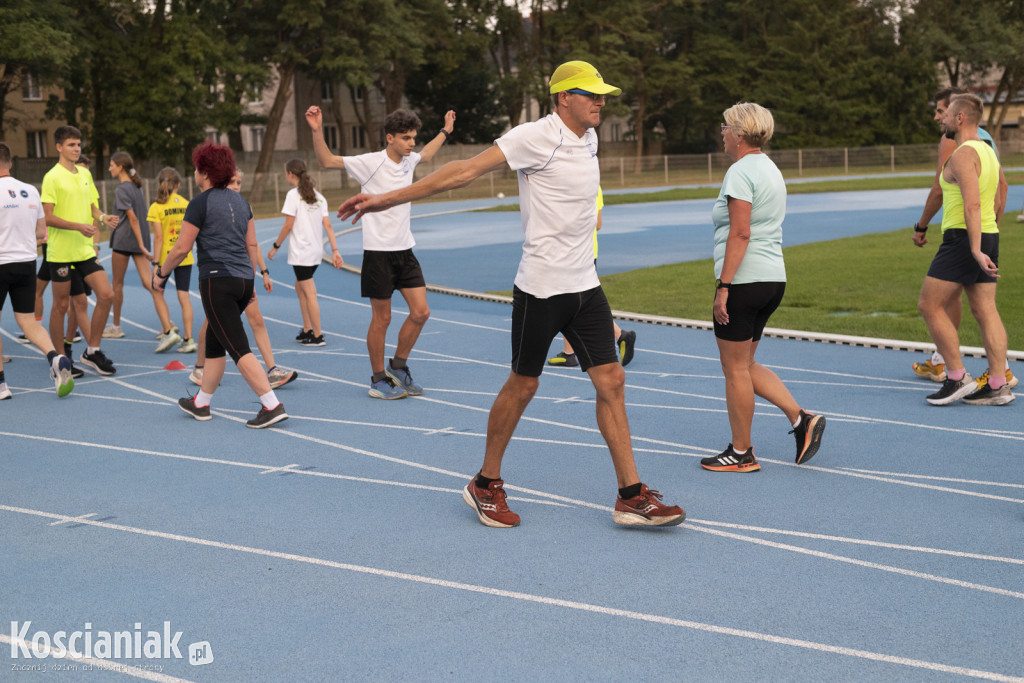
[(556, 287)]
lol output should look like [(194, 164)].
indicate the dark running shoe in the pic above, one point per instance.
[(626, 343), (76, 372), (302, 335), (564, 359), (98, 362), (728, 461), (808, 436), (190, 407), (310, 340), (22, 339), (265, 417), (646, 509), (987, 396), (952, 390), (490, 504)]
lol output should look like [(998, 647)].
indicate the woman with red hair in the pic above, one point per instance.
[(218, 223)]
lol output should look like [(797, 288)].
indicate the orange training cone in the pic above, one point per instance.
[(175, 365)]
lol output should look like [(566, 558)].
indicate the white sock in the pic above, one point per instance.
[(92, 349), (1007, 363), (737, 452), (269, 400), (937, 359), (203, 399)]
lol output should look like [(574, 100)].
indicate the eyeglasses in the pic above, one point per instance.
[(726, 126), (594, 96)]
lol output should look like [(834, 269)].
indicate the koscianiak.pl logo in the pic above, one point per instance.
[(86, 643)]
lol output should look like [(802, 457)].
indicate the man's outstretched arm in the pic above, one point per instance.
[(315, 119)]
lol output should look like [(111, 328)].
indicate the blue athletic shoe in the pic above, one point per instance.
[(386, 388), (403, 379)]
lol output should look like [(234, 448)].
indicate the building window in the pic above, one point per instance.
[(257, 138), (358, 93), (30, 90), (358, 137), (326, 91), (616, 132), (331, 136), (36, 146), (213, 136)]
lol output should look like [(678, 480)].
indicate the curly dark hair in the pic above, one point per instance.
[(216, 162), (401, 121)]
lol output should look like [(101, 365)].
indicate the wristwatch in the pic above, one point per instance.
[(722, 285), (264, 272), (918, 228)]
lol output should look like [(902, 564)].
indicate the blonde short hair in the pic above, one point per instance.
[(970, 104), (751, 121)]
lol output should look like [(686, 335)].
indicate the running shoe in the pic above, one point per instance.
[(278, 376), (60, 373), (98, 362), (387, 389), (626, 343), (5, 359), (403, 378), (311, 340), (646, 509), (22, 339), (5, 393), (266, 418), (113, 332), (77, 338), (987, 396), (168, 341), (190, 407), (76, 372), (188, 346), (932, 371), (490, 504), (1011, 380), (67, 348), (302, 335), (196, 376), (808, 435), (952, 390), (565, 359), (728, 461), (160, 335)]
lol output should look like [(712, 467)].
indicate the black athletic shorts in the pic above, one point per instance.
[(78, 285), (182, 278), (385, 271), (749, 307), (306, 272), (583, 318), (954, 262), (66, 272), (18, 280), (224, 301)]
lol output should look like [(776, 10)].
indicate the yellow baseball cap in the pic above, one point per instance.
[(581, 76)]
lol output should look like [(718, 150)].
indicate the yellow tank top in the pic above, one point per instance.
[(988, 183)]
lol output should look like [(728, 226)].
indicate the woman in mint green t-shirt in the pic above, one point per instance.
[(750, 282)]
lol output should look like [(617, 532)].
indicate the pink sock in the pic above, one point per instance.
[(955, 375), (996, 381)]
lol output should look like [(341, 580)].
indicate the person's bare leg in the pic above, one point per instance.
[(610, 382), (506, 411)]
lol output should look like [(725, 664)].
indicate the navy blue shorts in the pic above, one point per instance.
[(954, 262)]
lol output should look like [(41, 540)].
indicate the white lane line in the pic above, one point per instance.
[(860, 541), (111, 665), (926, 476), (544, 600), (77, 519)]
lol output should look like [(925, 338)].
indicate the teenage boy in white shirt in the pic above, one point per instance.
[(388, 261), (556, 288)]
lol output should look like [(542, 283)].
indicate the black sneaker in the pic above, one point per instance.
[(190, 407), (98, 362), (626, 343), (310, 340), (728, 461), (987, 396), (76, 372), (808, 436), (302, 335), (22, 339), (953, 390), (564, 359), (265, 417)]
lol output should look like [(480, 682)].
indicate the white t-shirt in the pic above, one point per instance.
[(377, 174), (21, 210), (558, 181), (305, 241)]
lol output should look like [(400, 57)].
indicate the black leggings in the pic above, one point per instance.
[(224, 301)]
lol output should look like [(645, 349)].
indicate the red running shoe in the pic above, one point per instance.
[(490, 504), (646, 509)]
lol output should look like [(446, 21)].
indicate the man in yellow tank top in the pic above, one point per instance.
[(973, 198)]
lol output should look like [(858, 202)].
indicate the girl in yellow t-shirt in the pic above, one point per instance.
[(165, 217)]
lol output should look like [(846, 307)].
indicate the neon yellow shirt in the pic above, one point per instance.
[(988, 184), (170, 215), (72, 196)]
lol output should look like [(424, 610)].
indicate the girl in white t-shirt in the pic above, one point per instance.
[(307, 220)]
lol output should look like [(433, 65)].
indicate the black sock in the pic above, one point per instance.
[(1, 376), (483, 482), (630, 491), (400, 363), (377, 377), (50, 356)]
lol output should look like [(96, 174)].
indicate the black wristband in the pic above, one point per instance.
[(277, 246), (264, 272), (161, 275), (918, 228), (722, 285), (445, 133)]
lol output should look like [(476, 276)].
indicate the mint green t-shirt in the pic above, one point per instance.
[(755, 179)]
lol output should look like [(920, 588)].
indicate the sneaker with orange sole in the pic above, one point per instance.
[(728, 461), (1011, 380), (928, 370)]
